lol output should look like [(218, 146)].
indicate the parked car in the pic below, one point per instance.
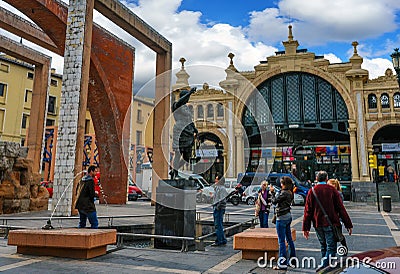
[(234, 190), (250, 194), (134, 192), (230, 184), (49, 186), (205, 191), (132, 195), (255, 178), (385, 260), (132, 185)]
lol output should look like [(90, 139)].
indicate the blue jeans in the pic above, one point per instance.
[(284, 232), (219, 225), (263, 216), (327, 242), (92, 216)]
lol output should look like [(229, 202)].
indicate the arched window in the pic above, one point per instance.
[(372, 102), (396, 100), (220, 110), (210, 111), (385, 101), (200, 112)]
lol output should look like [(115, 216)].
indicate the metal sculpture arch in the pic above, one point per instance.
[(105, 89)]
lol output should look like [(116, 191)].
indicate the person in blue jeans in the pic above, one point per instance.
[(263, 204), (85, 196), (332, 204), (219, 205), (283, 201)]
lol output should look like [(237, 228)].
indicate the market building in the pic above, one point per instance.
[(328, 116)]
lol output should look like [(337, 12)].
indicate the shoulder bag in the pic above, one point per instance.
[(337, 233)]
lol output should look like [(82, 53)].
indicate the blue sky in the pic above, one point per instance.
[(205, 31)]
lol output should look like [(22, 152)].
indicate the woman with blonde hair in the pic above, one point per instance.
[(336, 184), (263, 203)]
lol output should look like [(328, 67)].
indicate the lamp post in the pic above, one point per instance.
[(396, 63)]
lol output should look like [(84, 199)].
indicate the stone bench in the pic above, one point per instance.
[(69, 243), (255, 242)]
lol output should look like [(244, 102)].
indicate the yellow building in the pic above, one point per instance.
[(16, 82), (141, 148)]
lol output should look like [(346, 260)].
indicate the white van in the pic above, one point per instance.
[(205, 190)]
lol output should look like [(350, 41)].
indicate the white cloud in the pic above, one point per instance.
[(320, 22), (315, 22), (376, 66), (332, 58)]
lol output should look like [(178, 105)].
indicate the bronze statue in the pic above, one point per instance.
[(184, 131)]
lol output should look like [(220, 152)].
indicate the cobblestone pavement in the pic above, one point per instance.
[(372, 230)]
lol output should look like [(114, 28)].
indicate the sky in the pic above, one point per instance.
[(204, 31)]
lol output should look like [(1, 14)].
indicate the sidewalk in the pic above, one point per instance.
[(371, 231)]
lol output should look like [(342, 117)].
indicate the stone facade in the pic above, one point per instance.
[(20, 188), (372, 104)]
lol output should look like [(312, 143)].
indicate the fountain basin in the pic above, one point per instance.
[(68, 243)]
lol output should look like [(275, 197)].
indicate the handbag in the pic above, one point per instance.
[(274, 219), (337, 232), (257, 209)]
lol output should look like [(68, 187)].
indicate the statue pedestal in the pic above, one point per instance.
[(175, 212)]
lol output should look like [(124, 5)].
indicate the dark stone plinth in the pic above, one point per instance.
[(175, 212)]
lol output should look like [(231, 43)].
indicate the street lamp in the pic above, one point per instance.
[(396, 63)]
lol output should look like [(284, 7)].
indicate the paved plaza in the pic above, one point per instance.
[(372, 230)]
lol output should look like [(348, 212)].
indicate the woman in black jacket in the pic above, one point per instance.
[(283, 201)]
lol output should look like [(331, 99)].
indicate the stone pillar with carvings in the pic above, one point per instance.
[(73, 104), (353, 148), (230, 85), (357, 77)]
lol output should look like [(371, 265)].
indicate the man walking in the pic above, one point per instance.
[(219, 205), (334, 208), (85, 195)]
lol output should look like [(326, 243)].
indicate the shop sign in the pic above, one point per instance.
[(207, 153), (391, 147), (266, 153)]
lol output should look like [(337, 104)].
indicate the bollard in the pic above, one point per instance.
[(387, 203)]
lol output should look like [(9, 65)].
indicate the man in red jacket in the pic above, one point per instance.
[(333, 205)]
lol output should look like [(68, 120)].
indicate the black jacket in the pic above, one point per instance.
[(283, 201), (85, 200)]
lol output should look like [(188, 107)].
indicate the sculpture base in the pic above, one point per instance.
[(68, 243)]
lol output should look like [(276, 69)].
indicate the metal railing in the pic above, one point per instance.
[(199, 241)]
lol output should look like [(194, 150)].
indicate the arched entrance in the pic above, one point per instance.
[(386, 144), (211, 152), (310, 122)]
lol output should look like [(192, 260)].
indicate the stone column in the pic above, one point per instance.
[(353, 148), (37, 119), (361, 138), (162, 112), (228, 116), (73, 104), (239, 151)]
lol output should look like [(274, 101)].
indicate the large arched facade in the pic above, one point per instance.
[(310, 120)]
